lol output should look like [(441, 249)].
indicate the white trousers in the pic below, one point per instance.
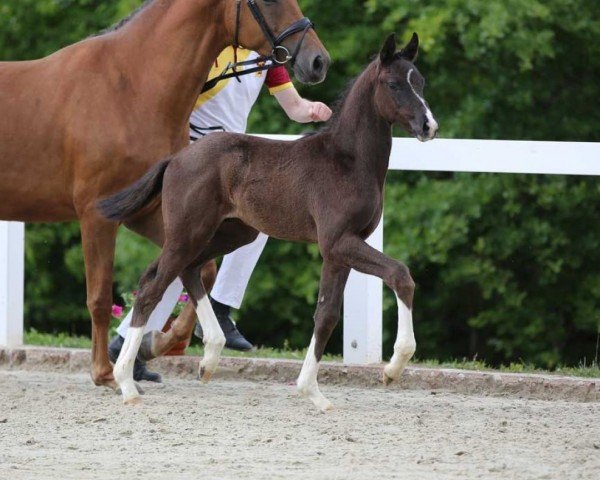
[(232, 281)]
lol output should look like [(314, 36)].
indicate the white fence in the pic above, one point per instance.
[(363, 296)]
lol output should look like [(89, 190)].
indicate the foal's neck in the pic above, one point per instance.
[(359, 130), (168, 49)]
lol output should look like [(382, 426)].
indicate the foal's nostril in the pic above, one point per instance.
[(426, 127), (317, 64)]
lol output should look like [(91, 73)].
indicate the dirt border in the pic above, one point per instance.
[(544, 387)]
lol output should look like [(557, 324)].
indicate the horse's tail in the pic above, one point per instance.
[(132, 199)]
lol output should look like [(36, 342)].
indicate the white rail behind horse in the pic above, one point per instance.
[(363, 297)]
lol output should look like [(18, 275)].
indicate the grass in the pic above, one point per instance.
[(33, 337)]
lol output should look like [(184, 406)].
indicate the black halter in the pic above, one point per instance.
[(280, 55)]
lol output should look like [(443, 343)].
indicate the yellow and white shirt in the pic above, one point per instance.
[(226, 107)]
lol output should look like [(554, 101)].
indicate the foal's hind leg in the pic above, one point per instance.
[(331, 291), (214, 339), (230, 235)]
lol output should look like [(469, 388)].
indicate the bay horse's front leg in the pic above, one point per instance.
[(331, 293), (357, 254), (98, 240)]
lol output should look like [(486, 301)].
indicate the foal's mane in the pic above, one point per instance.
[(338, 106), (124, 21)]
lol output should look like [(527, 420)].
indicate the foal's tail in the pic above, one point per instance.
[(132, 199)]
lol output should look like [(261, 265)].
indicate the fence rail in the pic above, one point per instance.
[(363, 296)]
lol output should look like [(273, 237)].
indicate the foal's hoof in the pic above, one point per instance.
[(132, 401), (389, 376), (387, 380), (205, 375)]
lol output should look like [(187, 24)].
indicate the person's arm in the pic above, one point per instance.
[(301, 110), (297, 108)]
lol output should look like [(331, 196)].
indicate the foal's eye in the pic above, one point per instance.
[(394, 85)]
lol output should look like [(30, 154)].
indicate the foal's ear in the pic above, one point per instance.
[(389, 49), (411, 51)]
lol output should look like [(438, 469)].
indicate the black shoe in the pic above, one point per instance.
[(233, 338), (140, 372)]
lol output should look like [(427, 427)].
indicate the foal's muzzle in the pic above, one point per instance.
[(425, 128)]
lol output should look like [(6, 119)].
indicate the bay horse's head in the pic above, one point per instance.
[(278, 28), (399, 90)]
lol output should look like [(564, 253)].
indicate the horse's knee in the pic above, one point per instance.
[(100, 309)]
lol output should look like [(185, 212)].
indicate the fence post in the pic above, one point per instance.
[(12, 279), (363, 313)]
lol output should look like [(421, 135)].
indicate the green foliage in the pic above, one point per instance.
[(36, 28), (506, 266)]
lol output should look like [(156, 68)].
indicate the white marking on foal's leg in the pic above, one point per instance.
[(123, 369), (214, 339), (405, 345), (307, 381)]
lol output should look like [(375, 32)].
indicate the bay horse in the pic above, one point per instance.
[(91, 118), (325, 188)]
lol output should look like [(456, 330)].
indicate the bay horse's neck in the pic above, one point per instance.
[(168, 49), (360, 131)]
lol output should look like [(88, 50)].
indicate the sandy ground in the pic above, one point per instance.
[(55, 426)]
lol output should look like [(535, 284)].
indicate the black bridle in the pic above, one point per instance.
[(280, 55)]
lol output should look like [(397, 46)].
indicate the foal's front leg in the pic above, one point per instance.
[(357, 254), (331, 291)]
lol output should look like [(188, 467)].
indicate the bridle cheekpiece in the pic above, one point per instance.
[(280, 55)]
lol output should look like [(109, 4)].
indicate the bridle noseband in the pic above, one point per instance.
[(280, 55)]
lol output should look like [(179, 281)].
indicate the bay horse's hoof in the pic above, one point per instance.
[(105, 380)]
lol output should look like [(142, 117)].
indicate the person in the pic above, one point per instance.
[(225, 108)]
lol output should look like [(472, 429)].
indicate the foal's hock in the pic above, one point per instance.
[(325, 188)]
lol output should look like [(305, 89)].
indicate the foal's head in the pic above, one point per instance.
[(311, 59), (399, 90)]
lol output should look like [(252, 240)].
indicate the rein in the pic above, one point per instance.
[(280, 55)]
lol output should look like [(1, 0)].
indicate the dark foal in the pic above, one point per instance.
[(325, 188)]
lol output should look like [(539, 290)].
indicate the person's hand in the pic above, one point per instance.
[(319, 112)]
